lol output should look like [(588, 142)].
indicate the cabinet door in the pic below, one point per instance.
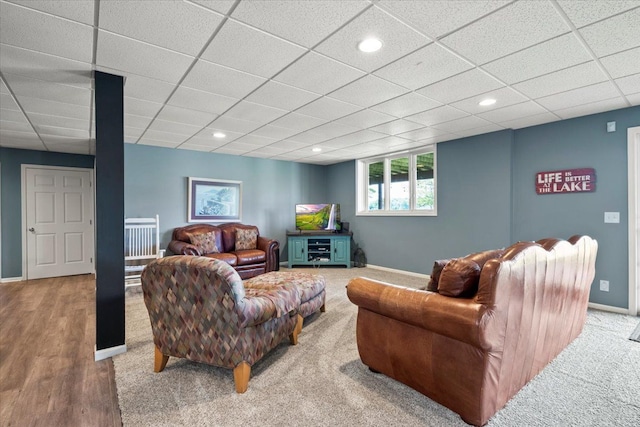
[(340, 250), (298, 250)]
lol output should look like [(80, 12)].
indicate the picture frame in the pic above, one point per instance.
[(212, 200)]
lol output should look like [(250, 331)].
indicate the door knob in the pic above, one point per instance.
[(32, 230)]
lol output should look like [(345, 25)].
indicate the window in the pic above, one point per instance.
[(401, 184)]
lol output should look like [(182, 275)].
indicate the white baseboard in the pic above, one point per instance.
[(608, 308), (108, 352), (394, 270), (11, 279)]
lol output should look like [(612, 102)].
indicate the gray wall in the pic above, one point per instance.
[(156, 183), (11, 193)]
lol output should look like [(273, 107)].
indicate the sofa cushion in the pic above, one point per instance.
[(227, 257), (438, 265), (459, 278), (250, 256), (246, 239), (205, 242)]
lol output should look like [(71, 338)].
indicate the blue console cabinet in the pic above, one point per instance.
[(319, 249)]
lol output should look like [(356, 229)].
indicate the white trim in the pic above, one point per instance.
[(608, 308), (109, 352), (23, 196), (395, 270), (11, 279), (633, 160)]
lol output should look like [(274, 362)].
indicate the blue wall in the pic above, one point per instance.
[(11, 193), (156, 183)]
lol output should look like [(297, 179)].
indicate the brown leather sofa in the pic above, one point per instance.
[(496, 320), (260, 257)]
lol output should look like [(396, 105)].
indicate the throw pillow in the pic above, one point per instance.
[(459, 278), (205, 242), (438, 265), (246, 239)]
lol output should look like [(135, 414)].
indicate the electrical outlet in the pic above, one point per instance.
[(604, 285), (612, 217)]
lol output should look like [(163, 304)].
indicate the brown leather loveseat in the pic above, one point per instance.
[(239, 245), (496, 320)]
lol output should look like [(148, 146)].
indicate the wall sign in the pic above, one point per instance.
[(566, 181)]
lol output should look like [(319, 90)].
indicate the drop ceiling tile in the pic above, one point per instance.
[(353, 139), (397, 39), (7, 102), (145, 88), (328, 108), (552, 55), (66, 145), (3, 87), (437, 115), (423, 67), (80, 11), (255, 140), (313, 20), (238, 147), (190, 26), (583, 95), (25, 28), (582, 13), (132, 134), (194, 147), (614, 34), (156, 135), (220, 6), (138, 122), (634, 99), (521, 24), (512, 112), (12, 126), (479, 131), (334, 129), (274, 132), (253, 112), (205, 137), (308, 137), (46, 131), (138, 107), (298, 122), (528, 121), (623, 63), (630, 84), (592, 108), (226, 123), (53, 108), (396, 127), (157, 143), (12, 116), (368, 91), (229, 149), (23, 140), (438, 17), (563, 80), (422, 133), (24, 86), (365, 118), (388, 142), (289, 145), (405, 105), (253, 51), (225, 81), (202, 101), (318, 73), (282, 96), (462, 124), (65, 122), (173, 127), (266, 152), (186, 116), (45, 67), (504, 97), (130, 56), (461, 86)]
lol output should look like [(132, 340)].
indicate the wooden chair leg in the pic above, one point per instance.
[(160, 360), (241, 375), (296, 331), (323, 308)]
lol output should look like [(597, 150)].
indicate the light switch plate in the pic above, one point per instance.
[(611, 126), (612, 217)]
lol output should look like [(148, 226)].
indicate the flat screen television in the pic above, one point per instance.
[(316, 217)]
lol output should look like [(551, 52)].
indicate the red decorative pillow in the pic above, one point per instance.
[(246, 239), (459, 278), (205, 242)]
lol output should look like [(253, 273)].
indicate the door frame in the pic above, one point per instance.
[(23, 191), (633, 160)]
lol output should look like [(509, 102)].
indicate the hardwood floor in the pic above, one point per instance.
[(48, 376)]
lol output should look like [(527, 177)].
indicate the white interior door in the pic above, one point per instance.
[(59, 222)]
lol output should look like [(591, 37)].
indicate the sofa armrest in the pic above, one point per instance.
[(271, 249), (457, 318), (178, 247)]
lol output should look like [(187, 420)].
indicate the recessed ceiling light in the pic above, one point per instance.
[(316, 149), (487, 102), (219, 135), (369, 45)]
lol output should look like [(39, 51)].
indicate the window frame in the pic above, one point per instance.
[(362, 184)]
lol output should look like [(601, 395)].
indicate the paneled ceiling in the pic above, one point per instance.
[(280, 78)]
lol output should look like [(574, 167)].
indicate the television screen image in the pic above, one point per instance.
[(323, 216)]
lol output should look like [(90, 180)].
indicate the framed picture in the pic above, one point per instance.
[(213, 200)]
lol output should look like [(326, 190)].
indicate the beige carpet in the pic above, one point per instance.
[(321, 381)]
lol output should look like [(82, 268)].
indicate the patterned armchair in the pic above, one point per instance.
[(200, 310)]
